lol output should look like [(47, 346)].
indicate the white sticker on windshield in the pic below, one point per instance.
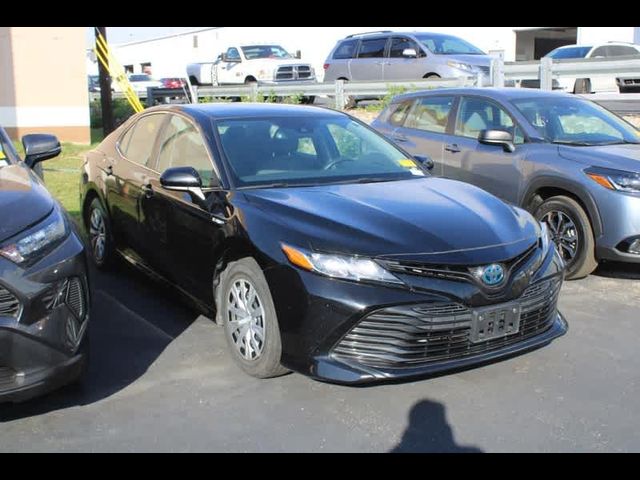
[(417, 172)]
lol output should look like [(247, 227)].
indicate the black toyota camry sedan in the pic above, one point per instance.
[(44, 296), (319, 245)]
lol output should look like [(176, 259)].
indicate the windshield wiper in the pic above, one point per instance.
[(574, 144)]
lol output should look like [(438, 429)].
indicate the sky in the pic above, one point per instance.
[(117, 35)]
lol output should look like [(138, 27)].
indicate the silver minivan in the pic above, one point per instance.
[(398, 56)]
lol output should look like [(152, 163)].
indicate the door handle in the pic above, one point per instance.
[(148, 191), (453, 148)]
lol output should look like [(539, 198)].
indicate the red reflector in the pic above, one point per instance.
[(326, 66)]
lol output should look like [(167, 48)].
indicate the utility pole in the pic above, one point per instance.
[(105, 90)]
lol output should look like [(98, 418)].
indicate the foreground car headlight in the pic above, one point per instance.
[(460, 65), (339, 266), (545, 244), (29, 246), (615, 179)]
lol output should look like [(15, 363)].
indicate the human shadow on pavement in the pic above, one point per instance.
[(133, 319), (624, 271), (429, 432)]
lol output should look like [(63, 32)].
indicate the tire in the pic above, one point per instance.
[(264, 363), (308, 100), (582, 86), (583, 261), (97, 231)]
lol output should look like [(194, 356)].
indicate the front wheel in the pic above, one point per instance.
[(251, 326), (571, 231), (100, 235)]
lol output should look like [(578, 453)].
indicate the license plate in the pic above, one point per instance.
[(495, 322)]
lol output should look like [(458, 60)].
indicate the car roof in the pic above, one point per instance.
[(219, 111), (386, 33), (504, 94)]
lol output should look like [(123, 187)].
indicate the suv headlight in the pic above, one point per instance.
[(339, 266), (615, 179), (28, 247), (460, 65)]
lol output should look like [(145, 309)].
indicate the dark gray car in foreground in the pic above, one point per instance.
[(570, 162), (44, 296)]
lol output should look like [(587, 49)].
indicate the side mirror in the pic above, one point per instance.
[(184, 179), (39, 147), (410, 53), (425, 161), (498, 138)]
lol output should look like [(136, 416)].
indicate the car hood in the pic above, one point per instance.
[(23, 200), (429, 220), (620, 157)]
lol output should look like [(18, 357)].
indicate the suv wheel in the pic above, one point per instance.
[(571, 230), (251, 327)]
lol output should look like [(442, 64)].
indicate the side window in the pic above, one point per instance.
[(233, 54), (430, 114), (399, 114), (622, 50), (400, 44), (181, 145), (476, 114), (346, 50), (599, 52), (137, 144), (373, 48)]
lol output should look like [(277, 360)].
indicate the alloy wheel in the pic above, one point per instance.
[(97, 234), (564, 234)]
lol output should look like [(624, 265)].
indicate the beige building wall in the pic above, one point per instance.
[(43, 82)]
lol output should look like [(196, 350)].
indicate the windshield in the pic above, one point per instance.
[(569, 52), (448, 45), (7, 152), (306, 150), (140, 78), (578, 122), (265, 51)]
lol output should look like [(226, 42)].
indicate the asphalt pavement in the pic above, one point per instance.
[(161, 380)]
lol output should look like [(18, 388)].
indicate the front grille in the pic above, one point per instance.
[(632, 81), (455, 272), (7, 376), (75, 299), (411, 336), (9, 304), (294, 72)]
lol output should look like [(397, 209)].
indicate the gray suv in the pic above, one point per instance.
[(397, 56), (570, 162)]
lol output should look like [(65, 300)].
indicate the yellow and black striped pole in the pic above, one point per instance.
[(106, 58)]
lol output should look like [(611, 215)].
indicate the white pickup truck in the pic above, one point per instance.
[(263, 64)]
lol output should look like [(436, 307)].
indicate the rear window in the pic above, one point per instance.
[(399, 113), (431, 114), (347, 49)]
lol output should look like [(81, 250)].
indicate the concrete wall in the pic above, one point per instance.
[(44, 82)]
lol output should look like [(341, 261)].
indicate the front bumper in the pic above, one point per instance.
[(287, 82), (44, 341), (620, 214), (320, 318)]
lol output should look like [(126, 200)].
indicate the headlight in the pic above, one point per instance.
[(460, 65), (615, 179), (29, 246), (265, 74), (339, 266), (545, 243)]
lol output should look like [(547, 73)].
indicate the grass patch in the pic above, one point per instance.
[(62, 176)]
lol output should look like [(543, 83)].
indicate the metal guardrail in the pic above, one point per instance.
[(502, 73)]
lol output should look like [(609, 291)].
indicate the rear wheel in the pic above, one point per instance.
[(249, 317), (571, 232), (100, 235)]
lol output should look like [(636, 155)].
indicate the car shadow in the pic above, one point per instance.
[(624, 271), (133, 320), (429, 432)]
